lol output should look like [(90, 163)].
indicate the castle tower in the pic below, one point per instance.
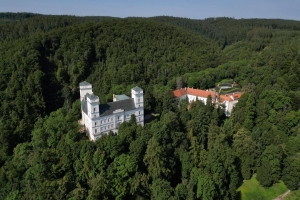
[(85, 88), (92, 105), (138, 96)]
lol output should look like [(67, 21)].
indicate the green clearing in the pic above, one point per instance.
[(225, 81), (252, 190), (230, 90), (293, 195), (227, 90)]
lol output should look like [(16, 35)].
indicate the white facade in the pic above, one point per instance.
[(229, 104), (192, 98), (100, 119)]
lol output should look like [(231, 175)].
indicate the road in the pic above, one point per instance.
[(281, 197)]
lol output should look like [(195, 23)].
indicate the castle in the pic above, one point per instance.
[(100, 119)]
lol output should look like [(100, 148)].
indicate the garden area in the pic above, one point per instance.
[(227, 86)]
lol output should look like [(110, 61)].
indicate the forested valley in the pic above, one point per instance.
[(195, 153)]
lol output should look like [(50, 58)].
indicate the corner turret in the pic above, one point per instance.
[(85, 88), (138, 96)]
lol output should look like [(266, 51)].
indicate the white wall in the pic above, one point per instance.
[(229, 106), (193, 98), (138, 98), (139, 114), (84, 90)]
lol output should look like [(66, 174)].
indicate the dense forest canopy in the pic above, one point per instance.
[(183, 154)]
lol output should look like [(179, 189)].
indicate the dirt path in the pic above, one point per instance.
[(281, 197)]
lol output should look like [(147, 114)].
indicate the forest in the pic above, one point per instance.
[(195, 153)]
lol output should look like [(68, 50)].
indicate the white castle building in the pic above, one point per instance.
[(100, 119)]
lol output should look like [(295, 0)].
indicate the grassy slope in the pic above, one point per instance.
[(293, 195), (252, 190)]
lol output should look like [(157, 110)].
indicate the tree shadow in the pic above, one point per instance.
[(238, 195)]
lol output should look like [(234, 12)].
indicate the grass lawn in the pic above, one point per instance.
[(231, 90), (226, 81), (252, 190), (293, 195)]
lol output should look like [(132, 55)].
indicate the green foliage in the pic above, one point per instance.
[(161, 189), (155, 160), (182, 154), (291, 175), (246, 150), (271, 164)]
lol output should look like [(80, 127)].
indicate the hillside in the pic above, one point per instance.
[(183, 154), (19, 25), (226, 31), (45, 69)]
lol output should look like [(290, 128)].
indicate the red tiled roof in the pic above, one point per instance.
[(200, 93), (237, 95), (203, 93), (180, 92), (225, 98), (228, 97), (195, 92)]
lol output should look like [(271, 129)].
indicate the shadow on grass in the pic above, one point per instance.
[(238, 195)]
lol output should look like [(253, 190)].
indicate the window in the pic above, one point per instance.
[(95, 130), (95, 123), (94, 109), (101, 128)]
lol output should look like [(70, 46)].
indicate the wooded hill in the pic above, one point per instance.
[(185, 154)]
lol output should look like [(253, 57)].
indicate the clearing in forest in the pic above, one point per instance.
[(251, 189)]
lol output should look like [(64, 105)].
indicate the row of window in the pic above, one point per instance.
[(128, 115), (104, 128), (111, 119), (104, 121)]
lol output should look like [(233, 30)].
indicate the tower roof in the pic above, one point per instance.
[(137, 89), (121, 97), (84, 83), (91, 96)]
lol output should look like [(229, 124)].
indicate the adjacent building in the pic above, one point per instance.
[(229, 101), (191, 95), (100, 119)]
